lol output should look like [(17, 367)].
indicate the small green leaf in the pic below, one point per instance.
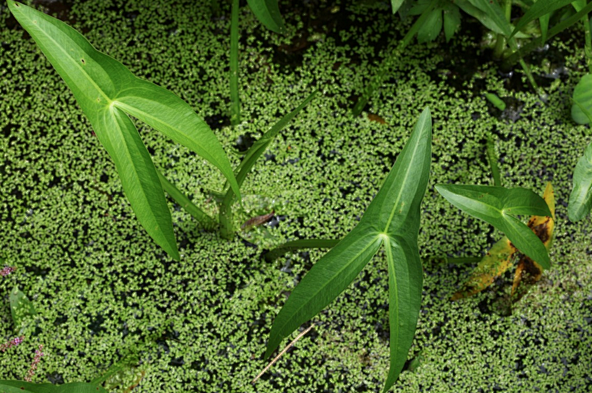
[(431, 27), (396, 4), (580, 200), (20, 308), (451, 20), (498, 206), (391, 219), (538, 10), (268, 13), (489, 21), (581, 110), (495, 13), (496, 101)]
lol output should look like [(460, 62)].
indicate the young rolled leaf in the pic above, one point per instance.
[(580, 199), (498, 206), (392, 220), (103, 87), (538, 10), (268, 13)]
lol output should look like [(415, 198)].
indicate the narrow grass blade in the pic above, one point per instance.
[(482, 15), (268, 13), (253, 154), (538, 42), (580, 199), (538, 10)]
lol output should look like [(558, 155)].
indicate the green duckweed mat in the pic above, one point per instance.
[(102, 290)]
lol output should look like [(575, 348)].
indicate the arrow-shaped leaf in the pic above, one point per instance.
[(391, 219), (498, 206), (103, 88)]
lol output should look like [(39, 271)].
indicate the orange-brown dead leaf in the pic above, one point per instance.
[(493, 264), (376, 118), (528, 272)]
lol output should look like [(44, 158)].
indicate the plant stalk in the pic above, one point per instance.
[(234, 93)]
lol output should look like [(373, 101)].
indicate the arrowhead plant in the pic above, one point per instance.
[(391, 221), (107, 91)]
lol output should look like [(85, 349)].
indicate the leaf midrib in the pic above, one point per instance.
[(315, 293), (68, 56)]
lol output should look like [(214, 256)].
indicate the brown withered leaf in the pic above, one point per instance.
[(499, 257), (376, 118), (528, 272), (256, 221), (493, 264)]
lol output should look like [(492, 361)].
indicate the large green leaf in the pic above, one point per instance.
[(538, 10), (580, 200), (498, 206), (581, 110), (103, 88), (268, 13), (391, 219), (74, 387)]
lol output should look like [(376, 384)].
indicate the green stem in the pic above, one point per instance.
[(299, 244), (185, 203), (492, 157), (234, 94), (386, 63), (253, 154), (588, 42)]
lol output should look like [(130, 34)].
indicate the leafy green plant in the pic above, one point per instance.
[(391, 220), (498, 206), (106, 90)]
